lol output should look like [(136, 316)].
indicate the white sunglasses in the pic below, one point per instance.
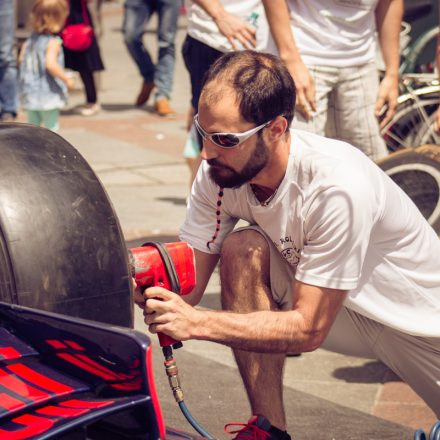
[(227, 140)]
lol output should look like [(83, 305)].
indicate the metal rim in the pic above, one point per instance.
[(434, 175)]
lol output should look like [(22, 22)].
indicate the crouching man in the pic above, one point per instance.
[(337, 255)]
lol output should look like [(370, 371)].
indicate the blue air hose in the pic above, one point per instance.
[(173, 379)]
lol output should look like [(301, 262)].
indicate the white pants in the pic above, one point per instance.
[(345, 100)]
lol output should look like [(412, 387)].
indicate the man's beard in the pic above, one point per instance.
[(225, 177)]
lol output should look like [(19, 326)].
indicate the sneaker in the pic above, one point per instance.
[(144, 94), (163, 108), (90, 109), (257, 428)]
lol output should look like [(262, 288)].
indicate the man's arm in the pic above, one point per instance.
[(277, 14), (302, 329), (232, 27), (205, 265), (388, 22)]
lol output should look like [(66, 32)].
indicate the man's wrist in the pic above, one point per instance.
[(290, 56), (392, 74), (200, 325), (217, 13)]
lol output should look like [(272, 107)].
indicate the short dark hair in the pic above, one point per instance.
[(264, 87)]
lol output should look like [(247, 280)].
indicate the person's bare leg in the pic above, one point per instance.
[(244, 274), (194, 161), (193, 165)]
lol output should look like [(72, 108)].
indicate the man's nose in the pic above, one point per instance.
[(209, 150)]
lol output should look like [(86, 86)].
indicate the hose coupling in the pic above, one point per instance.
[(173, 378)]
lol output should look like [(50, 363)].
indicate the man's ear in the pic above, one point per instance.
[(277, 128)]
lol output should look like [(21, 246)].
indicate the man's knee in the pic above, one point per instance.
[(247, 247), (244, 268), (132, 36)]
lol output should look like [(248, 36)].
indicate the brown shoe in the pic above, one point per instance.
[(144, 94), (163, 108)]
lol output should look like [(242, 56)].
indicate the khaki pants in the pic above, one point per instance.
[(416, 360), (345, 100)]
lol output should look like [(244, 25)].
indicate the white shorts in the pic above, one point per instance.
[(416, 360)]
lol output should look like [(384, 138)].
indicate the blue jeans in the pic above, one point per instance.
[(136, 15), (8, 62)]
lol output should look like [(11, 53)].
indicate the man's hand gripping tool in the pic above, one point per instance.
[(169, 265)]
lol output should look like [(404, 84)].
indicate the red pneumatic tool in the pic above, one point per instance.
[(171, 266), (168, 265)]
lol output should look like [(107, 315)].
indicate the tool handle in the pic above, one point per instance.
[(166, 341)]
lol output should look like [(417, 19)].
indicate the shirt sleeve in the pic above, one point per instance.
[(337, 230), (206, 224)]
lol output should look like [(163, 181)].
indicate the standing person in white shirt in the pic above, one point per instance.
[(215, 27), (332, 59), (337, 255)]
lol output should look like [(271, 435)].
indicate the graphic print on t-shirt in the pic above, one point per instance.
[(289, 250)]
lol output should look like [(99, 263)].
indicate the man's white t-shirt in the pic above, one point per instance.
[(341, 223), (335, 33), (203, 28)]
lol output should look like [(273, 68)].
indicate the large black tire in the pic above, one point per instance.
[(417, 172), (61, 246)]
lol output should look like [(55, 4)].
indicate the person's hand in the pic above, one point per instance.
[(437, 121), (166, 312), (70, 83), (237, 31), (305, 88), (387, 96)]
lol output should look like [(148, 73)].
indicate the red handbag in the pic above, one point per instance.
[(79, 36)]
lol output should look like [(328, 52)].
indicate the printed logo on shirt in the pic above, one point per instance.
[(289, 250)]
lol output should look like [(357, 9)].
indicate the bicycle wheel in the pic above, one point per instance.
[(414, 111), (419, 435), (420, 56), (435, 431), (61, 247), (417, 172), (427, 134)]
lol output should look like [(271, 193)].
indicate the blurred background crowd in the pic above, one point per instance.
[(369, 77)]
